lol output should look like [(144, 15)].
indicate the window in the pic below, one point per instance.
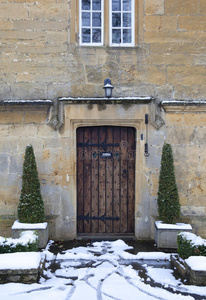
[(119, 25), (91, 22)]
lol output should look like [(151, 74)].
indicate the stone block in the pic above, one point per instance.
[(192, 23), (5, 91), (195, 92), (41, 25), (194, 277), (194, 119), (193, 211), (57, 90), (30, 90), (180, 135), (44, 130), (172, 37), (186, 157), (49, 11), (7, 210), (202, 7), (14, 37), (144, 90), (13, 10), (4, 130), (153, 161), (164, 92), (29, 131), (6, 25), (202, 158), (160, 23), (57, 37), (170, 59), (4, 163), (154, 183), (11, 117), (154, 7), (8, 146), (190, 75), (176, 48), (82, 90), (174, 120), (22, 275), (41, 49), (35, 117), (181, 7), (196, 201)]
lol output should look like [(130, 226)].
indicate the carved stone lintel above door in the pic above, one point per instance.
[(155, 119)]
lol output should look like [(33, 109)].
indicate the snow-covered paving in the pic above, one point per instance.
[(103, 271)]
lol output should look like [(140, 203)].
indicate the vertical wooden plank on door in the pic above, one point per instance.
[(116, 186), (124, 177), (95, 179), (87, 179), (131, 178), (102, 164), (109, 179), (80, 192)]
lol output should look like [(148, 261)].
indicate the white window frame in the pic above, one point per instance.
[(132, 26), (80, 26)]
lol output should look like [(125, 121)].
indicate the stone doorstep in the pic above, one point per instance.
[(194, 277), (22, 275)]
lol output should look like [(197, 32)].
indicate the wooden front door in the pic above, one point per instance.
[(105, 180)]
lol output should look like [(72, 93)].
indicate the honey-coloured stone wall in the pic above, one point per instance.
[(41, 57)]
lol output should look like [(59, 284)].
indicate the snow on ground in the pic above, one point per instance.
[(103, 271)]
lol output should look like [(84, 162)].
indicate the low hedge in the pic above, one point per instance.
[(190, 245), (27, 242)]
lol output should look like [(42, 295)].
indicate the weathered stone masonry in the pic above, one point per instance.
[(41, 59)]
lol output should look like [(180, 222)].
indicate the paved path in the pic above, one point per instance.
[(104, 271)]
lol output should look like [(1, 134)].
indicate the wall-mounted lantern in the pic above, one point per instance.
[(108, 88)]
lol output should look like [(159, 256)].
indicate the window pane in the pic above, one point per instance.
[(85, 19), (127, 5), (96, 35), (96, 19), (86, 4), (86, 35), (127, 36), (126, 20), (116, 20), (116, 36), (96, 4), (116, 5)]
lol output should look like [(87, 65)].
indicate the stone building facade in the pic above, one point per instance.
[(51, 84)]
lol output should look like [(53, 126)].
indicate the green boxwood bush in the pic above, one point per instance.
[(27, 242), (31, 205), (168, 198), (188, 244)]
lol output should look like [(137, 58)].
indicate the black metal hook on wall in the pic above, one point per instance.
[(146, 148)]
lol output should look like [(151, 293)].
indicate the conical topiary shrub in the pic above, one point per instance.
[(31, 205), (168, 198)]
